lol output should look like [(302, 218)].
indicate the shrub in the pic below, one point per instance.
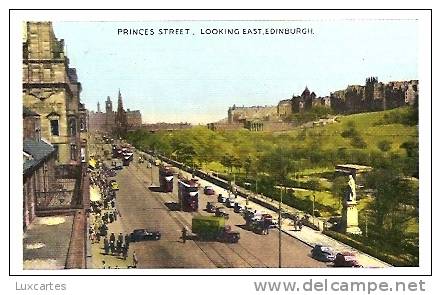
[(358, 142), (384, 145)]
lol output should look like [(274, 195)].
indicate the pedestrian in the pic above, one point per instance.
[(98, 238), (295, 221), (135, 260), (118, 247), (106, 245), (184, 234), (127, 240), (112, 203), (111, 217), (115, 214), (104, 264), (112, 238), (120, 238), (92, 236), (125, 251), (112, 247)]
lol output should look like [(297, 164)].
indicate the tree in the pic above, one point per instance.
[(384, 145), (227, 161), (248, 164)]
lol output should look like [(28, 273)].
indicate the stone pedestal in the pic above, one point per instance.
[(350, 218)]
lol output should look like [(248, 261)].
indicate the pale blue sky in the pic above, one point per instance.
[(195, 78)]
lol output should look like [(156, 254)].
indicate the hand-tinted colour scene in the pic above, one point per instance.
[(210, 144)]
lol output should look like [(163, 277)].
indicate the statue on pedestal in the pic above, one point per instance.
[(350, 211)]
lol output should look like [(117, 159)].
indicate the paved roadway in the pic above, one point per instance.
[(142, 206)]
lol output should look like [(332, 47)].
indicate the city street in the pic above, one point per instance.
[(142, 206)]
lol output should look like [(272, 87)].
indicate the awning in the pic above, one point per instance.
[(94, 194)]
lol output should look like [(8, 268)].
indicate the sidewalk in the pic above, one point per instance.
[(97, 249)]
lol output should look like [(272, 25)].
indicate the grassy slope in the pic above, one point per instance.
[(365, 124)]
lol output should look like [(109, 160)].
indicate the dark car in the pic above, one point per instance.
[(144, 234), (346, 259), (221, 198), (322, 253), (211, 207), (220, 212), (238, 208), (208, 190)]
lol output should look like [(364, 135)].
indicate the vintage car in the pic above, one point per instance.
[(221, 198), (346, 259), (322, 253), (144, 235), (208, 190), (114, 185)]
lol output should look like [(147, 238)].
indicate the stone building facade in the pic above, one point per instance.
[(111, 121), (284, 108), (374, 96), (51, 89)]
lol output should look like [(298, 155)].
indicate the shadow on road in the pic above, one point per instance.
[(172, 206), (156, 189)]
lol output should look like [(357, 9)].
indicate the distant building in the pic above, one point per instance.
[(241, 114), (154, 127), (374, 96), (112, 121), (284, 108)]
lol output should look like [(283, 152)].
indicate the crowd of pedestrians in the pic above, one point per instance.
[(103, 211)]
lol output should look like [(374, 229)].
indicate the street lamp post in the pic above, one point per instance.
[(366, 223), (313, 209), (280, 228)]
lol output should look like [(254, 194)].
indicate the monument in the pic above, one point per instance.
[(350, 211)]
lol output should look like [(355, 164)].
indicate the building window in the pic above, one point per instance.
[(82, 125), (73, 152), (54, 128), (72, 127), (47, 74)]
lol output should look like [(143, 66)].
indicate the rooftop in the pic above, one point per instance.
[(39, 150)]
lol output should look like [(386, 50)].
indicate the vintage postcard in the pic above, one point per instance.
[(282, 141)]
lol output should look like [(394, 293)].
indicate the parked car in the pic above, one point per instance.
[(211, 207), (144, 234), (208, 190), (221, 198), (220, 212), (346, 259), (238, 208), (114, 185), (322, 253), (230, 202)]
